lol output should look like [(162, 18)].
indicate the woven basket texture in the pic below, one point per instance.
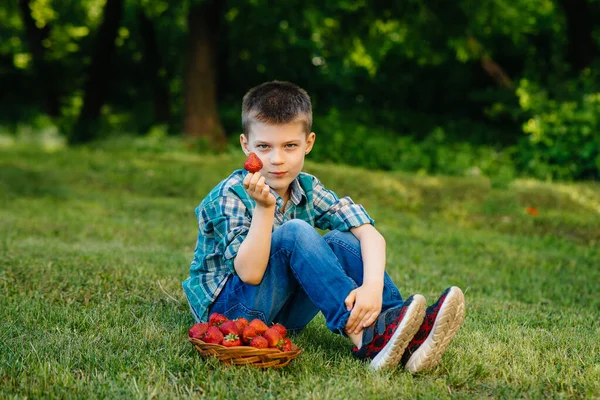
[(246, 355)]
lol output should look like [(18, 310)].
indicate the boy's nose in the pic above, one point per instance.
[(277, 158)]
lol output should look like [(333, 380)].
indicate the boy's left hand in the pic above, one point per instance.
[(365, 303)]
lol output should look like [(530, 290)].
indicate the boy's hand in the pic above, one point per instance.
[(365, 303), (257, 189)]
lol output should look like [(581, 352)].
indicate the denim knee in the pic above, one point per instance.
[(347, 240), (295, 232)]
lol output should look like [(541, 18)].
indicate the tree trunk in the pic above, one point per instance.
[(491, 67), (153, 62), (202, 119), (99, 73), (43, 76), (582, 48)]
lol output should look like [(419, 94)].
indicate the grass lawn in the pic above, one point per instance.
[(94, 244)]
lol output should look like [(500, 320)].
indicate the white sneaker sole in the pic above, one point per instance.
[(391, 354), (447, 323)]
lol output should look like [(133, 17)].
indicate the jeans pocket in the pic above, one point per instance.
[(239, 310)]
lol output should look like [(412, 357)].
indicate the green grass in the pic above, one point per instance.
[(95, 242)]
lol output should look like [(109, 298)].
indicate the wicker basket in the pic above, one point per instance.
[(247, 355)]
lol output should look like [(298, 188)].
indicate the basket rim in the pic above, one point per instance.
[(220, 347)]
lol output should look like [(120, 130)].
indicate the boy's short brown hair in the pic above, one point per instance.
[(276, 103)]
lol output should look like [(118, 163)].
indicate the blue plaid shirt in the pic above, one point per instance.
[(224, 220)]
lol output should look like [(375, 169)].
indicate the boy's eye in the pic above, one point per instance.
[(291, 145), (262, 146)]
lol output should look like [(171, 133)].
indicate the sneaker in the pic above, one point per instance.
[(442, 321), (385, 340)]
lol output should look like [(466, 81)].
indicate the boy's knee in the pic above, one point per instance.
[(294, 231), (339, 237), (297, 227)]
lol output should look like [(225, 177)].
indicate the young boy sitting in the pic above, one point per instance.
[(258, 254)]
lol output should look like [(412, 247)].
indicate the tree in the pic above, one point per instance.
[(582, 48), (98, 74), (153, 62), (201, 118), (35, 39)]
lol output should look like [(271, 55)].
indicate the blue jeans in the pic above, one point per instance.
[(307, 273)]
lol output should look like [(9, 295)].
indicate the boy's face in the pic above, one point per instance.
[(281, 148)]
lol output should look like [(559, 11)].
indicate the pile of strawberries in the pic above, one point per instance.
[(239, 332)]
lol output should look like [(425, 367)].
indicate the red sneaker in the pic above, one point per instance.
[(442, 321), (385, 340)]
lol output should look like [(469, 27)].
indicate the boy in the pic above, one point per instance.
[(259, 256)]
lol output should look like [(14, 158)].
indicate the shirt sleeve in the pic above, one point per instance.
[(227, 221), (334, 213)]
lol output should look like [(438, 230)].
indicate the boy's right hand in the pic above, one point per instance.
[(256, 187)]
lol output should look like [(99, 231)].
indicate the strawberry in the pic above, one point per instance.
[(286, 345), (213, 335), (216, 319), (197, 331), (260, 326), (249, 333), (229, 327), (273, 337), (259, 342), (281, 329), (231, 340), (241, 323), (253, 163)]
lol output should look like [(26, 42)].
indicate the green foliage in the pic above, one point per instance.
[(341, 140), (408, 75), (562, 130)]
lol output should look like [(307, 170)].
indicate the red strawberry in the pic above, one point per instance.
[(241, 323), (197, 331), (286, 345), (216, 319), (213, 335), (229, 327), (260, 326), (231, 340), (249, 333), (253, 163), (281, 329), (259, 342), (273, 337)]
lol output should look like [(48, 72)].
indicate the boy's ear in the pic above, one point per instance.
[(310, 141), (244, 143)]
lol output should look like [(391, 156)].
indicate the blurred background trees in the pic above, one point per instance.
[(491, 86)]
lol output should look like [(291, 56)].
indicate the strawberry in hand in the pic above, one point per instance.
[(258, 189), (253, 163)]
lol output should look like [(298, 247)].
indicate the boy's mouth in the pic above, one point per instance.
[(278, 174)]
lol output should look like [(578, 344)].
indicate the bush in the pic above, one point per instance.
[(562, 139), (340, 140)]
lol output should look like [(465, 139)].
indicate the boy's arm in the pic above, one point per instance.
[(365, 301), (252, 257)]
